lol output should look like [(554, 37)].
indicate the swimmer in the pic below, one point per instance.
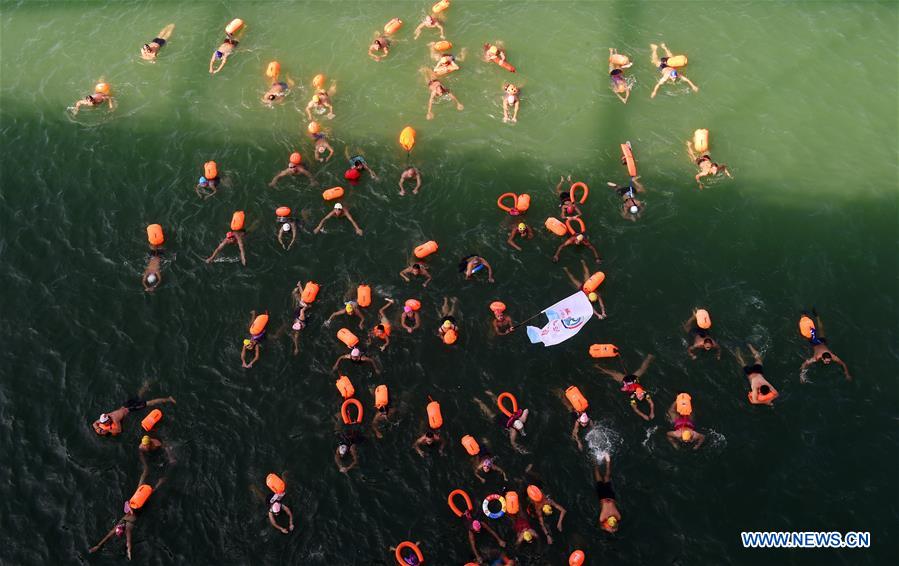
[(350, 308), (502, 323), (577, 240), (381, 331), (148, 445), (513, 424), (321, 103), (382, 414), (338, 212), (429, 22), (523, 530), (232, 237), (474, 526), (438, 90), (206, 188), (618, 81), (494, 53), (609, 516), (416, 270), (287, 226), (249, 345), (543, 505), (221, 54), (299, 323), (702, 340), (684, 430), (110, 424), (707, 168), (581, 422), (630, 383), (594, 297), (821, 352), (296, 295), (294, 167), (511, 100), (274, 511), (357, 357), (149, 51), (379, 48), (669, 74), (125, 525), (152, 276), (522, 231), (761, 391), (447, 316), (358, 163), (567, 206), (631, 208), (322, 146), (446, 64), (410, 320), (486, 462), (276, 93), (408, 174), (100, 95), (472, 264), (430, 438), (346, 448)]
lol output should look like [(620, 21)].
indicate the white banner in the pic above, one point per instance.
[(566, 318)]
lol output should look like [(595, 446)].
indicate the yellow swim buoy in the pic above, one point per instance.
[(407, 138)]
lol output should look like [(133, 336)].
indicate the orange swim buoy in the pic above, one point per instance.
[(363, 295), (628, 159), (393, 26), (450, 337), (571, 229), (535, 494), (471, 445), (151, 419), (603, 351), (275, 483), (450, 500), (237, 220), (593, 282), (703, 320), (435, 418), (584, 189), (344, 414), (577, 400), (556, 226), (318, 81), (806, 327), (310, 292), (347, 337), (413, 304), (523, 202), (442, 45), (381, 397), (282, 211), (410, 546), (499, 403), (332, 193), (771, 395), (684, 404), (440, 6), (407, 138), (512, 506), (273, 70), (345, 387), (155, 235), (313, 128), (677, 61), (701, 140), (210, 170), (498, 306), (577, 558), (259, 324), (102, 88), (140, 496), (234, 26), (425, 249)]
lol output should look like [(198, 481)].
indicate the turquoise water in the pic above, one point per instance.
[(800, 100)]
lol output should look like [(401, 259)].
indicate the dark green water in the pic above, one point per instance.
[(801, 99)]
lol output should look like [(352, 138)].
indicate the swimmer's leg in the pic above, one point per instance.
[(484, 408), (655, 56), (166, 32)]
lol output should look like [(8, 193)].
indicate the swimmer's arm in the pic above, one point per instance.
[(216, 251), (330, 151), (211, 61), (500, 470), (689, 322), (672, 435), (499, 541), (511, 239), (339, 465), (337, 363), (562, 512), (417, 322), (386, 342), (417, 446), (293, 238), (271, 519), (700, 438), (333, 315), (575, 282), (515, 110), (489, 270), (655, 89), (372, 173), (689, 82), (575, 436), (100, 544), (559, 249), (623, 98), (417, 181), (309, 109), (595, 253), (111, 101), (353, 222), (835, 359), (427, 275), (354, 457), (322, 223), (640, 413), (477, 473), (212, 191), (691, 351), (358, 312), (417, 33), (243, 357), (289, 515), (408, 269), (602, 306), (456, 100)]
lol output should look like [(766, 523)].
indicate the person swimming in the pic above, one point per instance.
[(417, 269), (593, 296), (429, 438), (609, 516), (351, 309), (379, 48), (761, 392), (321, 146), (630, 383), (511, 101), (152, 276), (110, 424), (522, 231), (410, 173), (286, 225), (446, 64), (409, 320), (231, 237), (356, 356), (702, 339), (320, 103), (577, 240), (471, 264), (669, 74), (100, 96), (299, 324), (631, 208), (275, 93), (221, 54), (438, 90), (150, 50), (274, 510), (382, 330), (617, 79), (707, 167), (429, 22), (338, 212), (294, 167), (680, 415), (821, 351), (567, 207)]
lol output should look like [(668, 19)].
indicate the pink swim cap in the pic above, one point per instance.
[(407, 309)]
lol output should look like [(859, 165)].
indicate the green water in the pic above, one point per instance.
[(801, 100)]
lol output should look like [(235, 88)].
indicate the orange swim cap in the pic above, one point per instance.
[(498, 306), (686, 434), (296, 158)]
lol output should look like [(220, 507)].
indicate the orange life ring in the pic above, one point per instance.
[(345, 387), (502, 408), (571, 230), (151, 419), (628, 159), (411, 546), (344, 414), (584, 189), (509, 209), (452, 504)]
